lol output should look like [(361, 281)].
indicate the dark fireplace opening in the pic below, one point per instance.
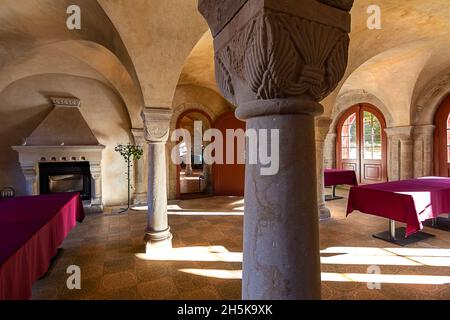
[(60, 177)]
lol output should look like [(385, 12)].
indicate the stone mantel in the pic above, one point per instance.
[(31, 156), (36, 154)]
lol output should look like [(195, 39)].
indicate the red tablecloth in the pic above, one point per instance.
[(409, 201), (334, 177), (31, 230)]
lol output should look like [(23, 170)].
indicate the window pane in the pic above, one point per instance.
[(368, 153), (448, 157), (348, 148), (372, 137), (345, 142), (377, 153), (345, 153), (448, 138)]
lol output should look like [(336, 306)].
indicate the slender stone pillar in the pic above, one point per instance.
[(275, 60), (322, 127), (140, 169), (156, 126), (329, 150), (96, 173), (400, 152), (423, 150), (31, 179)]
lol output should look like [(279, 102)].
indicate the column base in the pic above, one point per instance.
[(92, 208), (324, 213), (158, 240), (140, 199)]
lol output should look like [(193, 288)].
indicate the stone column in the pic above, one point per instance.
[(156, 126), (140, 169), (329, 150), (423, 150), (322, 127), (400, 153), (275, 60), (96, 174)]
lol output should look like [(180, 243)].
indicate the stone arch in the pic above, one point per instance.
[(190, 106), (343, 102), (429, 100), (354, 97)]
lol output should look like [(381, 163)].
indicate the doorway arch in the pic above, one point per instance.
[(361, 143), (195, 181), (442, 139)]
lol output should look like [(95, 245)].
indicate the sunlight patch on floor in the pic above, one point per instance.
[(386, 256), (207, 253)]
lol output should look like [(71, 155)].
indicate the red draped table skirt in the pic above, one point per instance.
[(31, 230), (334, 177)]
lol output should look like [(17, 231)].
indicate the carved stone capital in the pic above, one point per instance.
[(96, 170), (139, 136), (156, 124), (401, 133), (281, 49), (425, 130), (29, 171)]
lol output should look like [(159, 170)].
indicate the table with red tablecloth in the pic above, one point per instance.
[(31, 230), (408, 201), (334, 177)]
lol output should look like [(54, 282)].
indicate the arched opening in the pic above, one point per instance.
[(229, 179), (361, 143), (194, 179), (442, 139)]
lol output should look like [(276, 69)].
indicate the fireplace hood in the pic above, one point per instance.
[(64, 125), (62, 137)]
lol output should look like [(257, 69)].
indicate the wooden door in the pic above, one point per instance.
[(442, 140), (229, 179), (361, 145)]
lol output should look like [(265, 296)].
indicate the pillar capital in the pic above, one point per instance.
[(278, 49), (427, 129), (156, 124), (402, 133), (139, 136)]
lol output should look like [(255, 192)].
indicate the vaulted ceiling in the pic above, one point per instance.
[(144, 50)]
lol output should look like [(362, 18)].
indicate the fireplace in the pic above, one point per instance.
[(61, 177), (63, 155)]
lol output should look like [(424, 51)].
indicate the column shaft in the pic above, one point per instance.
[(157, 192), (281, 241), (156, 124), (322, 127)]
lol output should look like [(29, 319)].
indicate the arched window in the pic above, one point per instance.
[(361, 143)]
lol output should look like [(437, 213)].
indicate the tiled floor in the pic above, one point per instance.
[(206, 263)]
